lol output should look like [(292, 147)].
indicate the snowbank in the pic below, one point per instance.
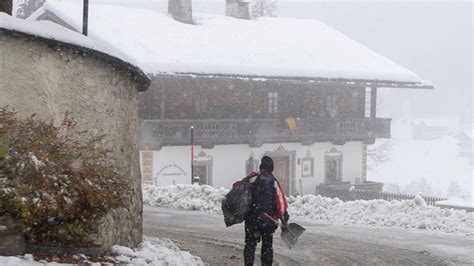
[(189, 197), (457, 203), (407, 214), (152, 251), (26, 260)]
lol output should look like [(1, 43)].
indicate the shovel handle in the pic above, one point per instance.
[(271, 218)]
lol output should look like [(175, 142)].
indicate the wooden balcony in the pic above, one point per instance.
[(255, 132)]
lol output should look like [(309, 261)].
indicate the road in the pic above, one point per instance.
[(205, 235)]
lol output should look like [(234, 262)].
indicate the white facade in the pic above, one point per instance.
[(227, 163)]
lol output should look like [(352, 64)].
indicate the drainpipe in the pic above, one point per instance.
[(192, 155), (85, 17)]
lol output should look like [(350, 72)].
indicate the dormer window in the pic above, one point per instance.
[(273, 102)]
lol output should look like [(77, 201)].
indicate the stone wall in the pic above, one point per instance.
[(49, 79)]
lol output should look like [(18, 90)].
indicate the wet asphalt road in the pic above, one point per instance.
[(205, 235)]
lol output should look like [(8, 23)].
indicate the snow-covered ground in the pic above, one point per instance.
[(152, 251), (155, 251), (406, 214), (430, 166)]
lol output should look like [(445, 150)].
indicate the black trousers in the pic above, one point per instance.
[(252, 236)]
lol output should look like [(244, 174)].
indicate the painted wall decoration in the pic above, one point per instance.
[(171, 170), (307, 168)]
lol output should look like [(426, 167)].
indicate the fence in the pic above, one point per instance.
[(348, 195)]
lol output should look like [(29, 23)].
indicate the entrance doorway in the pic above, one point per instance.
[(203, 170), (333, 166), (282, 171)]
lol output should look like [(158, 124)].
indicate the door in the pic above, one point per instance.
[(333, 167), (281, 171), (331, 171), (201, 172)]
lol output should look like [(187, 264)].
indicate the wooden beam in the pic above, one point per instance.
[(306, 80), (373, 102)]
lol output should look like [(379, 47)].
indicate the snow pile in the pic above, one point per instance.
[(460, 203), (152, 251), (407, 214), (26, 260), (155, 251), (189, 197)]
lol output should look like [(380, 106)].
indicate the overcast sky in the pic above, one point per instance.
[(432, 38)]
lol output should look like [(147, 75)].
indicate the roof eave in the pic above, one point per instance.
[(314, 80)]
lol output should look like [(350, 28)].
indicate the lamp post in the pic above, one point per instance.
[(192, 155)]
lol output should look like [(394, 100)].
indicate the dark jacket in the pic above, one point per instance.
[(268, 197)]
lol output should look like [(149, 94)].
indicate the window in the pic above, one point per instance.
[(200, 103), (367, 101), (307, 168), (273, 102), (333, 166), (331, 105)]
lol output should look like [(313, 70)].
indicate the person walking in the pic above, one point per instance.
[(267, 197)]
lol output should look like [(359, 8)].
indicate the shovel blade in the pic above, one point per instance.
[(296, 229), (290, 237)]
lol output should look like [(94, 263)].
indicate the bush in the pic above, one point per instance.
[(55, 186)]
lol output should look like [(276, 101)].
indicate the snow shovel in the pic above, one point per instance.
[(290, 236)]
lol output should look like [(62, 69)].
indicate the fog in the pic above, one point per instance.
[(433, 39), (349, 154)]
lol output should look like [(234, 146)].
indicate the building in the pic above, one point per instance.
[(294, 89), (50, 71)]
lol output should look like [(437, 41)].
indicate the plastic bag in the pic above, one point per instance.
[(236, 204)]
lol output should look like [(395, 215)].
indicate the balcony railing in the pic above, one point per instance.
[(255, 132)]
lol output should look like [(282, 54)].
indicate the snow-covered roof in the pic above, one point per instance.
[(52, 32), (219, 45)]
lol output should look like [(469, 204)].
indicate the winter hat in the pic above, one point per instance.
[(266, 163)]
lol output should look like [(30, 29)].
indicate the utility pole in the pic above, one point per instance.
[(85, 17)]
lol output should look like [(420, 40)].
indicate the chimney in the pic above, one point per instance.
[(181, 10), (237, 9)]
